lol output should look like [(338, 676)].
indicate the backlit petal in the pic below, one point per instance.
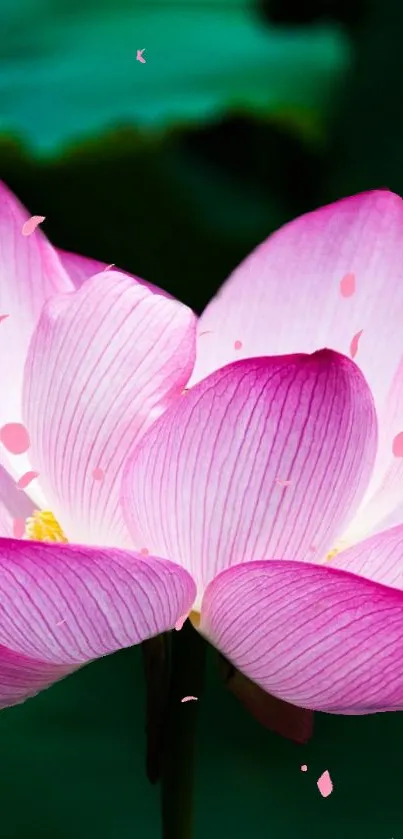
[(310, 634), (64, 605), (15, 505), (378, 558), (80, 268), (103, 364), (202, 487)]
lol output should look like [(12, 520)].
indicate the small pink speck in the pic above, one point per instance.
[(98, 474), (31, 225), (324, 784), (238, 345), (139, 56), (304, 767), (15, 438), (397, 447), (283, 483), (144, 551), (206, 332), (180, 622), (347, 285), (354, 343), (312, 548), (4, 317), (189, 698), (18, 528), (109, 267), (61, 622), (26, 479)]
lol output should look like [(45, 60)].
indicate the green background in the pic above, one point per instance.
[(244, 115)]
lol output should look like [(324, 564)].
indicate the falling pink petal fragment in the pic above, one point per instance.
[(98, 474), (26, 479), (109, 267), (354, 343), (4, 317), (347, 285), (206, 332), (324, 784), (60, 623), (145, 552), (15, 438), (304, 767), (18, 528), (397, 447), (238, 345), (180, 622), (139, 56), (282, 483), (188, 698), (31, 225)]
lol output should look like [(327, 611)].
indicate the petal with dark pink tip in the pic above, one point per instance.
[(64, 605), (311, 635), (103, 364), (201, 487)]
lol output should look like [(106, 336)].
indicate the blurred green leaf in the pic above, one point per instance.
[(68, 70)]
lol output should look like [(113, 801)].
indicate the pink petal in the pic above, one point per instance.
[(64, 605), (310, 634), (347, 285), (378, 558), (354, 344), (26, 479), (30, 226), (324, 784), (103, 364), (15, 507), (30, 274), (15, 438), (80, 268), (201, 486)]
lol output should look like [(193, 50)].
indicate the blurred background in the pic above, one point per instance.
[(245, 114)]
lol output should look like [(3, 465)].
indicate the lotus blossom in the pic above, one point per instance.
[(231, 499)]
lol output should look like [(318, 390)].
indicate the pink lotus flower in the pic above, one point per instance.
[(97, 377)]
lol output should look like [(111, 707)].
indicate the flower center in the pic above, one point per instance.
[(194, 618), (43, 527)]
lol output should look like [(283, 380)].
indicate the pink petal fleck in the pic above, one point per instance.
[(144, 552), (324, 784), (26, 479), (397, 447), (109, 267), (180, 622), (347, 285), (61, 622), (304, 767), (188, 698), (15, 438), (206, 332), (354, 343), (282, 483), (31, 225), (98, 474), (238, 345), (3, 317), (18, 528)]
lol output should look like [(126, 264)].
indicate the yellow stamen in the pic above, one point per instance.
[(194, 618), (43, 527), (341, 546)]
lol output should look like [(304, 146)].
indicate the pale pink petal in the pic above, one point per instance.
[(325, 784), (64, 605), (15, 506), (30, 274), (201, 488), (285, 297), (103, 364), (310, 634), (30, 226), (80, 268), (378, 558), (26, 479)]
